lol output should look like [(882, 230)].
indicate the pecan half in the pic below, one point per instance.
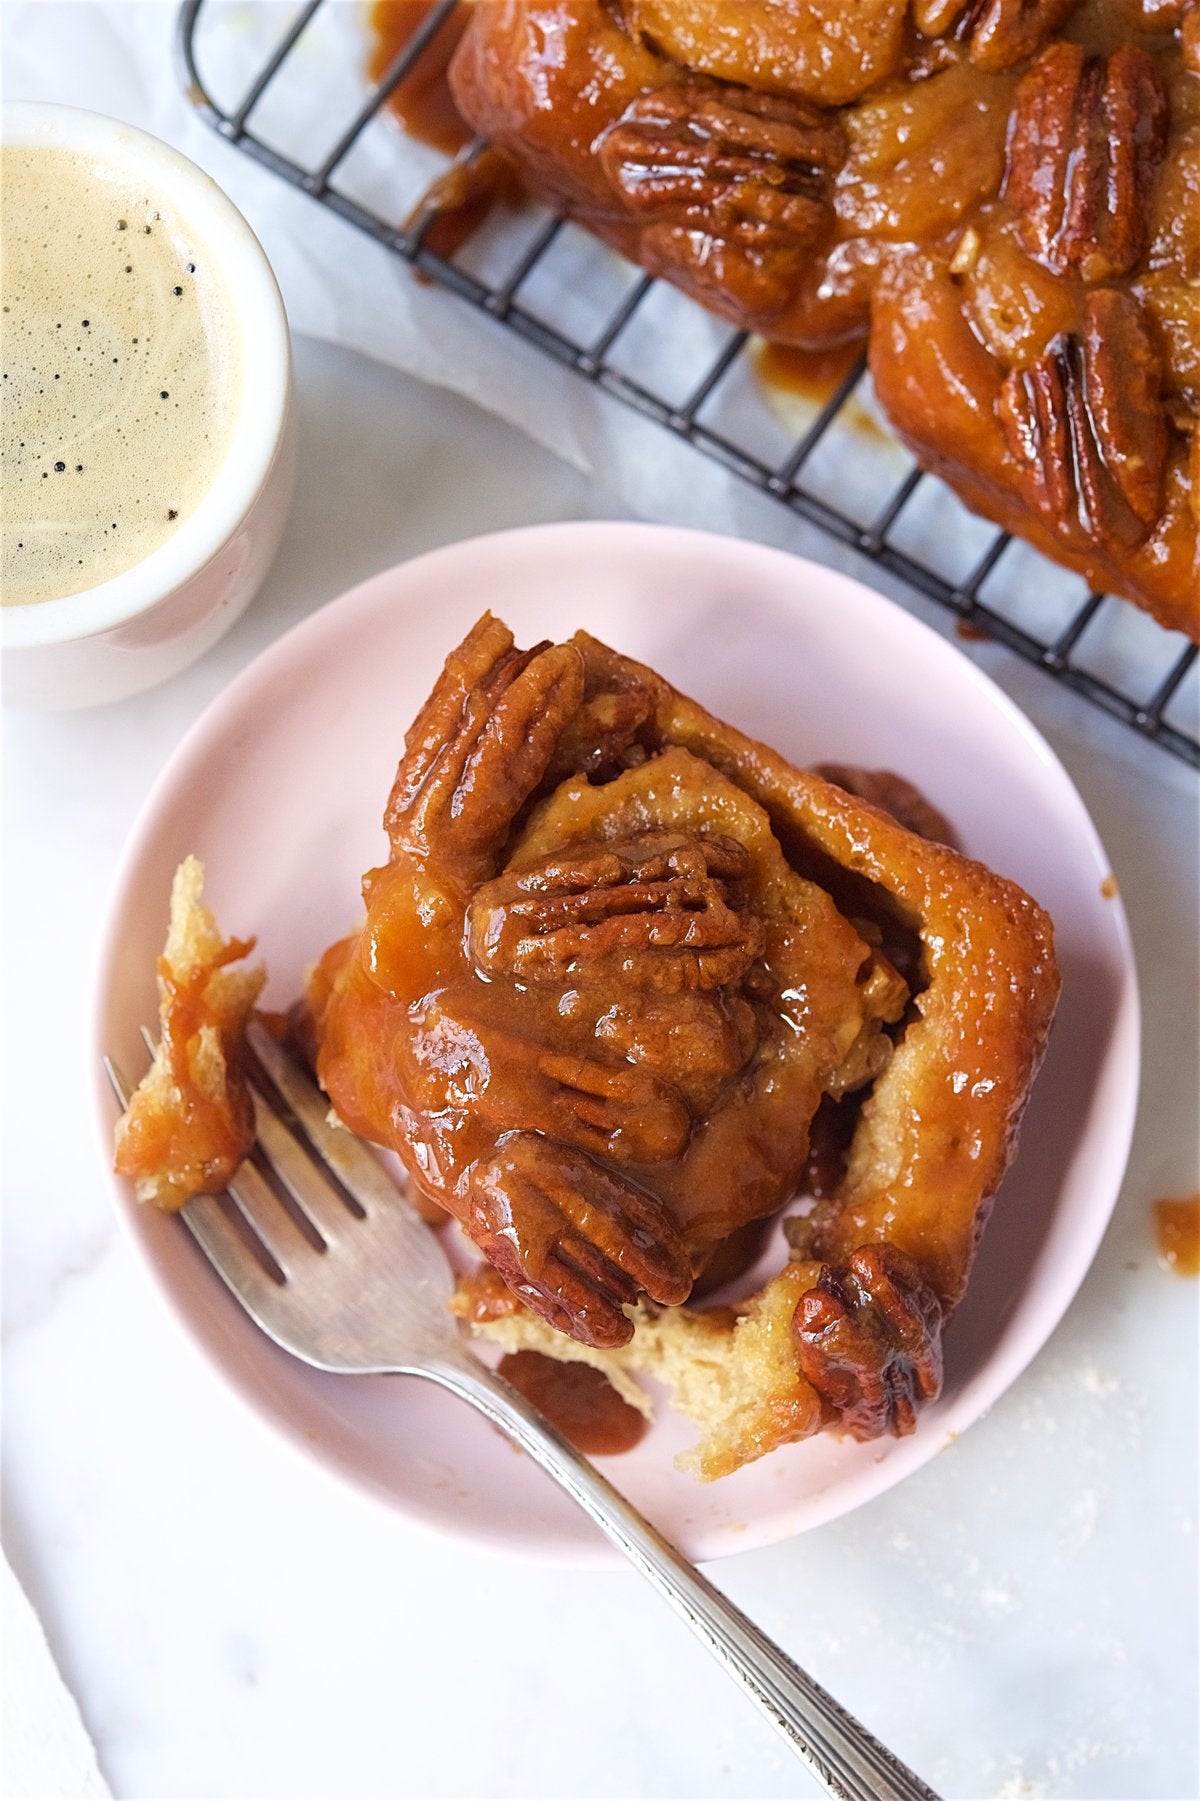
[(576, 1242), (869, 1339), (699, 1043), (659, 912), (1086, 139), (1086, 423), (997, 33), (479, 747), (603, 737), (459, 1064), (744, 165)]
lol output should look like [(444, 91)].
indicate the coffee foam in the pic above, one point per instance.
[(120, 373)]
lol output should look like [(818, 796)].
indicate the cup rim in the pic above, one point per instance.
[(258, 425)]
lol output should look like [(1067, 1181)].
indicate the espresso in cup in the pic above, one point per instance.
[(121, 372)]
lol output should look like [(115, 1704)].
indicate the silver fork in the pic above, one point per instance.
[(376, 1300)]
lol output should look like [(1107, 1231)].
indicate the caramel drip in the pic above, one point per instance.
[(422, 101)]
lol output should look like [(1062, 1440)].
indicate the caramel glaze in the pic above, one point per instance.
[(1177, 1229), (422, 101), (458, 201), (817, 173), (220, 1125), (579, 1400)]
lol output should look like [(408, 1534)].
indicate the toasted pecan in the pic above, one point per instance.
[(1086, 140), (655, 912), (577, 1242), (750, 170), (997, 33), (869, 1341), (1087, 426), (478, 749), (456, 1058)]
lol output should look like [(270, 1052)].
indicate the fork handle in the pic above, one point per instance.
[(842, 1754)]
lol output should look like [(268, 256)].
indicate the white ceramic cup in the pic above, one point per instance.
[(150, 621)]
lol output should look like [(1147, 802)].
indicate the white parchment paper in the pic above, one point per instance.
[(47, 1754)]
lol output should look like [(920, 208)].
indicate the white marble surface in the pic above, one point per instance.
[(1018, 1619)]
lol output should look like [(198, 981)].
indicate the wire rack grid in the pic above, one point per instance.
[(1150, 691)]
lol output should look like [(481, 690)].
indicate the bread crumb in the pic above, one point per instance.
[(190, 1121)]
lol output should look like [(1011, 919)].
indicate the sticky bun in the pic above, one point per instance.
[(1004, 195), (620, 961)]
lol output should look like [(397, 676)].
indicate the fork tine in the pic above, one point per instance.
[(261, 1208), (238, 1267), (211, 1229), (280, 1233), (328, 1212), (266, 1216), (122, 1087), (285, 1240), (345, 1154)]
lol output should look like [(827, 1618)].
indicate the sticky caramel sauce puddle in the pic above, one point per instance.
[(579, 1400), (1177, 1231)]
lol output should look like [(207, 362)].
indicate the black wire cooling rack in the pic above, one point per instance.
[(1098, 646)]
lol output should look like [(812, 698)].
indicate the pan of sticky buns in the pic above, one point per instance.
[(1002, 197)]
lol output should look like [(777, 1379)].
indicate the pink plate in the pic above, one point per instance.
[(279, 788)]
